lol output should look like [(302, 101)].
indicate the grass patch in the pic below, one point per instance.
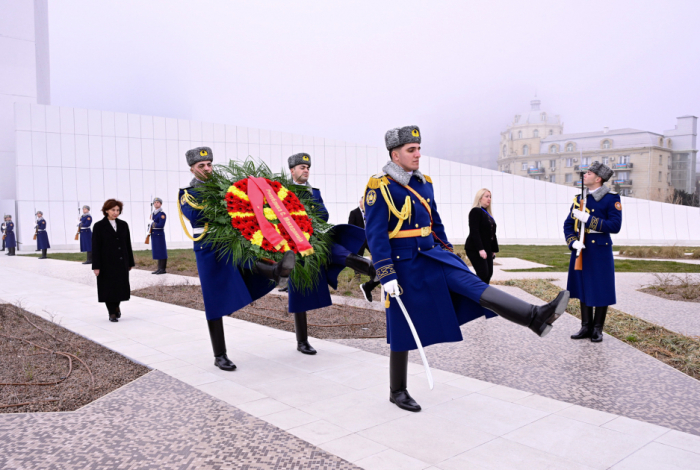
[(660, 252), (557, 257), (182, 261), (676, 350), (668, 286)]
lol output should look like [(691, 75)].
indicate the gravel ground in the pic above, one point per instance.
[(30, 355), (334, 322)]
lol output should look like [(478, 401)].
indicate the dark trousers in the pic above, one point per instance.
[(483, 267), (112, 307)]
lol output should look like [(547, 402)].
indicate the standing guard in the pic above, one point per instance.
[(10, 240), (594, 283), (42, 238), (86, 234), (158, 246), (348, 240), (226, 287), (414, 260)]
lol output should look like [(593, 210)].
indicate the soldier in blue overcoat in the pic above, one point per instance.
[(42, 238), (85, 225), (414, 259), (10, 240), (347, 241), (226, 286), (2, 231), (159, 250), (594, 284)]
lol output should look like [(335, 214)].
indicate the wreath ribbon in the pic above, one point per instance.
[(258, 191)]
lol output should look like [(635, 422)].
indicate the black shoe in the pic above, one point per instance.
[(224, 363), (87, 262), (11, 252), (276, 271), (305, 348), (538, 318), (403, 400), (119, 313), (598, 323), (113, 318), (360, 265), (162, 264), (367, 290), (586, 323), (89, 258), (283, 289), (43, 254)]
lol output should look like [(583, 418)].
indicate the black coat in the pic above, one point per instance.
[(112, 255), (358, 220), (482, 232)]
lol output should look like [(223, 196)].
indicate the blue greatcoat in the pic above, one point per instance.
[(85, 233), (42, 238), (158, 246), (226, 287), (438, 290), (10, 240), (347, 239), (594, 285)]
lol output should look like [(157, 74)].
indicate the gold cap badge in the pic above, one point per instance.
[(203, 153), (415, 133), (305, 158)]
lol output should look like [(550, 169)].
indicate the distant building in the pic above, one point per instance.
[(647, 165)]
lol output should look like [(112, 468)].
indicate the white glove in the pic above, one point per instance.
[(582, 216), (392, 287), (578, 244)]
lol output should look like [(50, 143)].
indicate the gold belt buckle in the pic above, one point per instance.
[(425, 231)]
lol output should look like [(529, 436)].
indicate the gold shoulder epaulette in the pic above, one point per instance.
[(428, 179), (376, 180)]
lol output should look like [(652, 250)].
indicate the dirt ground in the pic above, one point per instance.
[(334, 322), (48, 368)]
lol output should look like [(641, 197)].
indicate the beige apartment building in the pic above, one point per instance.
[(647, 165)]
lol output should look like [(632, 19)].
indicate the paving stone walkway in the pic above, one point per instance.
[(336, 401)]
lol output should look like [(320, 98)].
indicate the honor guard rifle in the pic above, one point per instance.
[(150, 226), (36, 225), (77, 234), (578, 266)]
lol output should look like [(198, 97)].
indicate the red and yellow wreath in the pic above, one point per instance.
[(243, 217)]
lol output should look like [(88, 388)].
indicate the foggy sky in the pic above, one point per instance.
[(351, 70)]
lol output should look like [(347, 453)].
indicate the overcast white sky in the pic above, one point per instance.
[(351, 70)]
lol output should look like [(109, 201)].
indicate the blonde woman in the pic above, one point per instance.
[(482, 245)]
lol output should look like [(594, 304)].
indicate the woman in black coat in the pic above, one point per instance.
[(112, 258), (482, 245)]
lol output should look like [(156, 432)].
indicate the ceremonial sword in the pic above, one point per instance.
[(416, 339)]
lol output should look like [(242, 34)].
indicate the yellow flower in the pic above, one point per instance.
[(307, 235), (240, 214), (257, 238), (298, 213), (237, 192), (269, 213), (282, 193)]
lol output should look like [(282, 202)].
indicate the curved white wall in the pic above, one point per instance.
[(66, 157)]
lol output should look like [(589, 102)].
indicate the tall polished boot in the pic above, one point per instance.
[(367, 289), (157, 267), (11, 252), (598, 323), (360, 265), (301, 329), (43, 254), (538, 319), (276, 271), (218, 344), (89, 258), (398, 382), (162, 263), (586, 323)]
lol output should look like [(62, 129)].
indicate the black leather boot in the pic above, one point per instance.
[(586, 323), (11, 252), (301, 329), (360, 265), (89, 258), (367, 289), (538, 319), (275, 271), (598, 323), (161, 266), (398, 382), (218, 344), (157, 271), (43, 254)]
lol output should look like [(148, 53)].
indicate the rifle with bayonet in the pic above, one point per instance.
[(77, 235), (578, 266), (150, 226)]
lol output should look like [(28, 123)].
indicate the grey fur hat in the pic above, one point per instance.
[(39, 212), (157, 199), (299, 159), (199, 154), (86, 207), (402, 135), (602, 170)]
